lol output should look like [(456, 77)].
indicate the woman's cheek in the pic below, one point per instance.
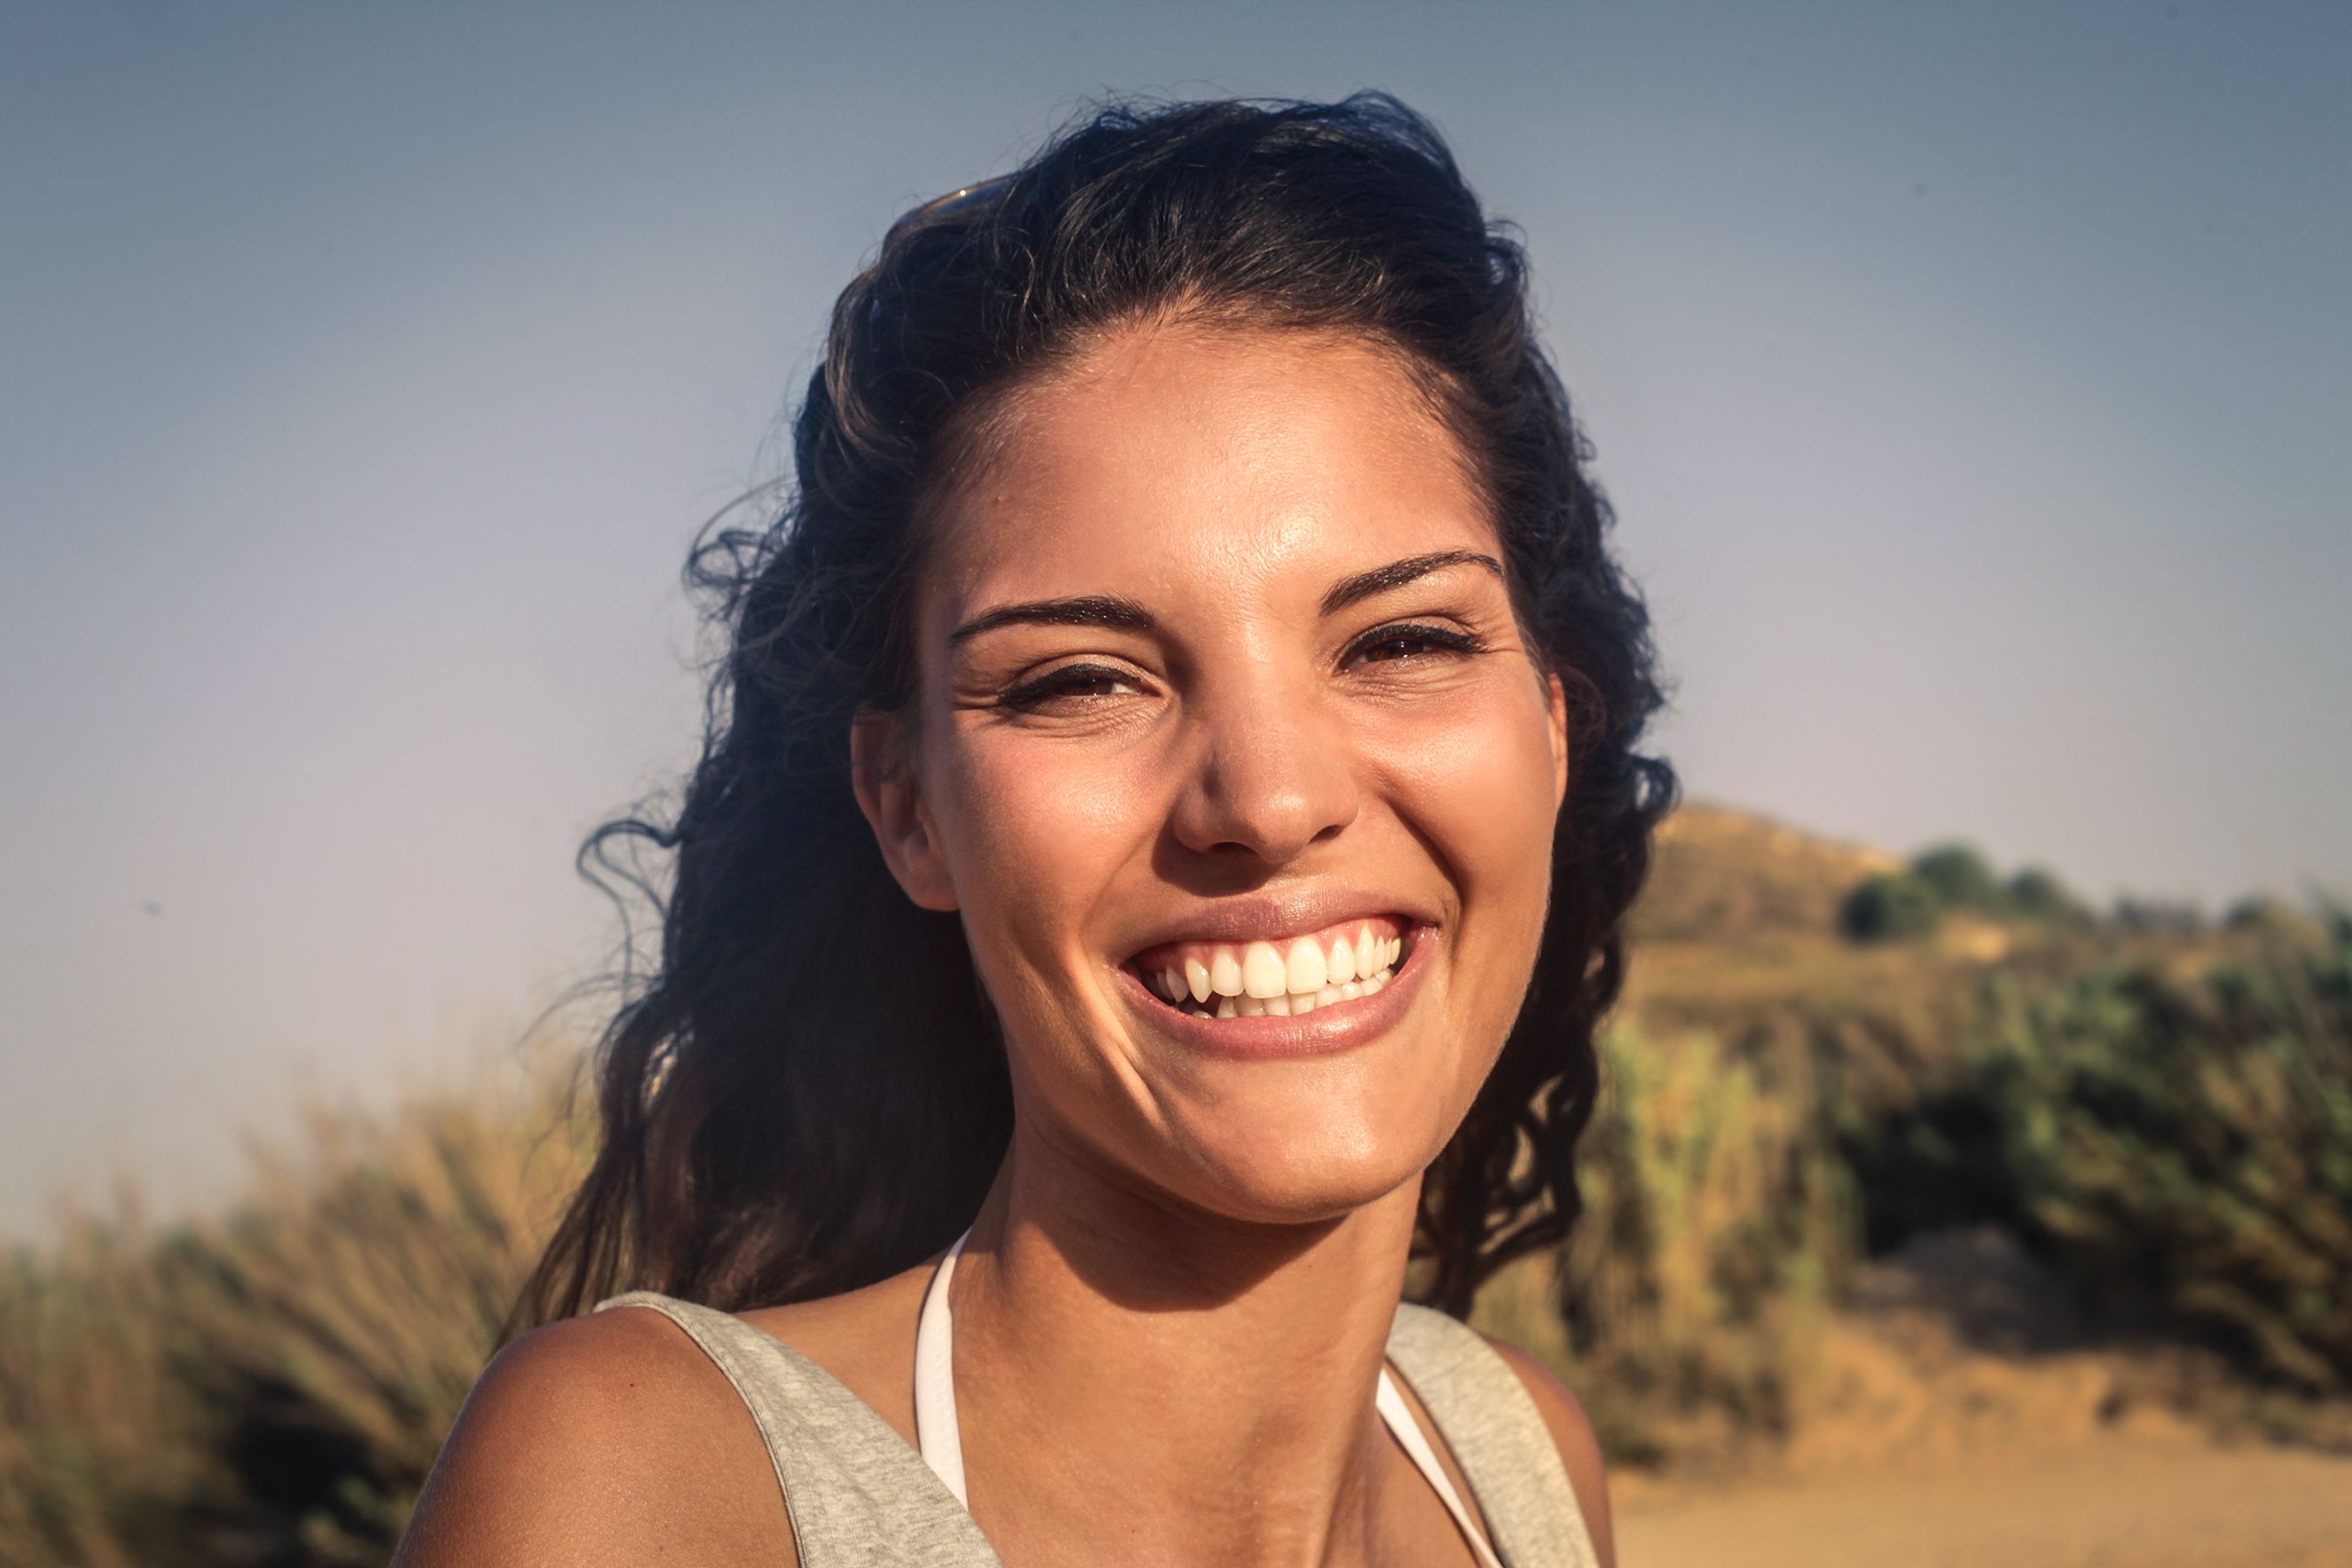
[(1035, 830), (1475, 785), (1474, 775), (1036, 800)]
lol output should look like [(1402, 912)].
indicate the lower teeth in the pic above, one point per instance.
[(1253, 1007)]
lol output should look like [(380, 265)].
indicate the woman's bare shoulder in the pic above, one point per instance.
[(1572, 1435), (603, 1439)]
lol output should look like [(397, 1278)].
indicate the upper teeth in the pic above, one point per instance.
[(1296, 976)]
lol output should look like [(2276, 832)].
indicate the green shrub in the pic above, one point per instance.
[(1718, 1224), (2186, 1148), (2273, 919), (2036, 895), (1951, 876), (2158, 917), (1890, 907), (1958, 876)]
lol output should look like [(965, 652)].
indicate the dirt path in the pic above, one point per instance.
[(2115, 1502), (1962, 1417)]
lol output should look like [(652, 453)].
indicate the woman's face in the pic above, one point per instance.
[(1233, 758)]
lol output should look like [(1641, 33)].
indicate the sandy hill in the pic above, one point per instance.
[(1722, 875)]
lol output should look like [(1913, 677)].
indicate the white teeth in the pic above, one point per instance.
[(1225, 974), (1263, 972), (1304, 969), (1262, 978)]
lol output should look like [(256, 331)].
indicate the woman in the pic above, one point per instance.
[(1148, 894)]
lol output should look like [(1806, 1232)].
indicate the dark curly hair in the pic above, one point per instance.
[(770, 1134)]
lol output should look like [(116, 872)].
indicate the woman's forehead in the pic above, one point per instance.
[(1175, 452)]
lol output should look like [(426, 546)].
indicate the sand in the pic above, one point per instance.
[(2120, 1501), (1964, 1414)]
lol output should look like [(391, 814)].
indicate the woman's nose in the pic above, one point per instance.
[(1269, 777)]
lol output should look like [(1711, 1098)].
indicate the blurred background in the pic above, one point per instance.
[(1971, 383)]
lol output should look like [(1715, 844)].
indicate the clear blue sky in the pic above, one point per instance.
[(1974, 383)]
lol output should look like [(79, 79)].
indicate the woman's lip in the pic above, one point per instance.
[(1342, 1027)]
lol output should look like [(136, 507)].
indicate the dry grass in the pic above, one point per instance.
[(271, 1386), (95, 1436), (1687, 1305)]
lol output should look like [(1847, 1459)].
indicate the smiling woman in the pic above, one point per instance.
[(1156, 869)]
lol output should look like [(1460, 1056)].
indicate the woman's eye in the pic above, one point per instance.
[(1390, 643), (1079, 680)]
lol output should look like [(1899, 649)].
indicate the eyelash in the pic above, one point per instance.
[(1071, 678), (1444, 639), (1063, 683)]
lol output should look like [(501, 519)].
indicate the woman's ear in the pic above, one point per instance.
[(1555, 698), (886, 788)]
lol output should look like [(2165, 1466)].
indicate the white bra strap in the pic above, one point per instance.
[(941, 1441), (1393, 1410), (935, 1409)]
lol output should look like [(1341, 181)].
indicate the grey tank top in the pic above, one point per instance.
[(860, 1495)]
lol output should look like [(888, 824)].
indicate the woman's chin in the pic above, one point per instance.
[(1300, 1175)]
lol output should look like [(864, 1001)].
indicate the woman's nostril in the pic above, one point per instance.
[(1272, 827)]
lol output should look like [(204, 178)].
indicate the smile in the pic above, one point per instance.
[(1282, 978)]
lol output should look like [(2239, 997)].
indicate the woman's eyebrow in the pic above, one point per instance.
[(1109, 610), (1086, 610), (1397, 574)]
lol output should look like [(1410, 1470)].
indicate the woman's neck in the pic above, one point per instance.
[(1122, 1362)]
